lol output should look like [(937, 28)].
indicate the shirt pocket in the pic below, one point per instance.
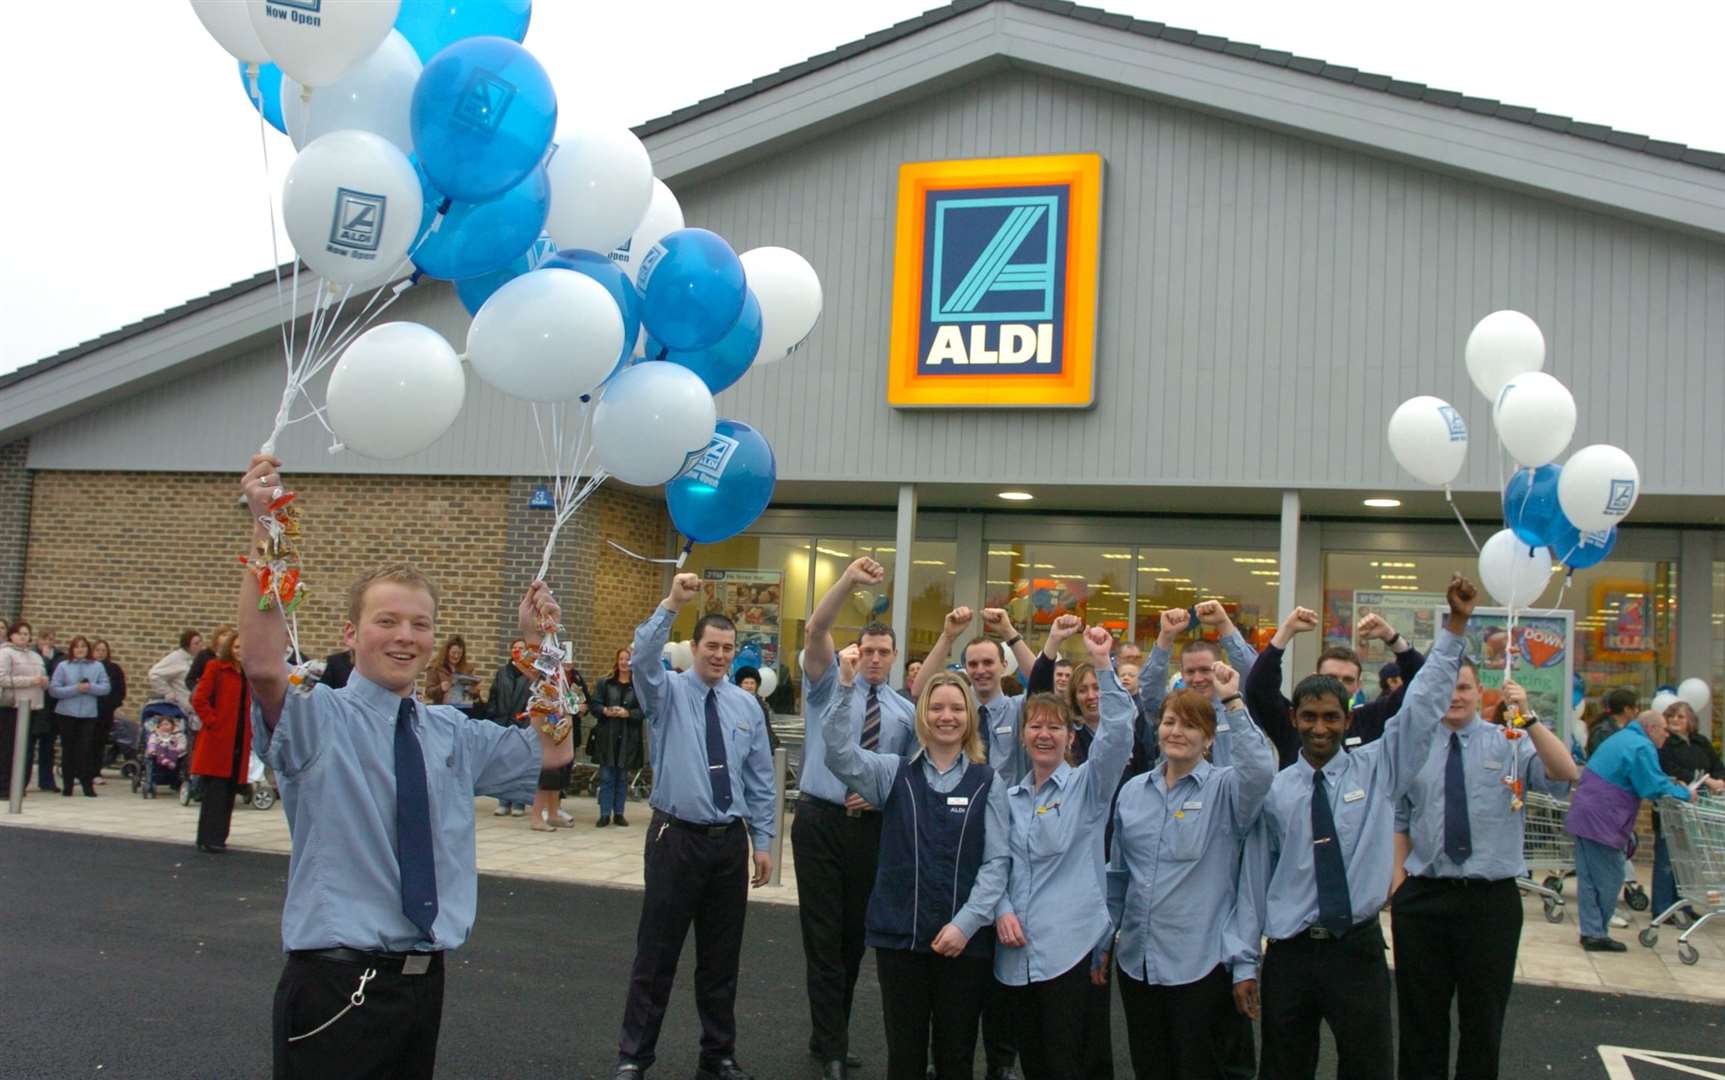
[(740, 739), (1184, 832)]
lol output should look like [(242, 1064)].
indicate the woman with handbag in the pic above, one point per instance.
[(615, 745)]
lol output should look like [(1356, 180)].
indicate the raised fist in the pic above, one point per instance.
[(1462, 595), (1226, 679), (996, 621), (865, 571), (684, 588), (262, 483), (850, 658), (1100, 643), (1212, 613), (1372, 625), (1064, 627), (1175, 621), (957, 621), (1301, 620)]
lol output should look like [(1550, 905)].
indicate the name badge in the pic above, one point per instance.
[(1351, 740), (1493, 764), (1355, 795), (1004, 729), (1223, 727), (1194, 804), (958, 800)]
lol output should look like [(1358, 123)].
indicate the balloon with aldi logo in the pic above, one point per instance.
[(474, 291), (692, 289), (231, 25), (725, 487), (650, 419), (483, 114), (609, 274), (664, 215), (1428, 438), (1599, 487), (351, 206), (475, 239), (268, 98), (1530, 505), (1579, 550), (431, 26), (316, 44), (601, 184), (722, 363)]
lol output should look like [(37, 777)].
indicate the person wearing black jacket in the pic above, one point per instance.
[(337, 668), (615, 745), (506, 705), (107, 705), (1365, 722), (1686, 754)]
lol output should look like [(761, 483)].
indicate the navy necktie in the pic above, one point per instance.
[(413, 851), (718, 767), (1457, 833), (871, 720), (1335, 909)]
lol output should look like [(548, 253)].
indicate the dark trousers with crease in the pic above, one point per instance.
[(1000, 1022), (836, 857), (1456, 940), (1178, 1032), (1341, 982), (1052, 1046), (1098, 1033), (76, 734), (392, 1034), (932, 1003), (698, 879), (216, 812)]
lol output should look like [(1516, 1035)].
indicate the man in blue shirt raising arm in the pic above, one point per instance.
[(378, 790), (712, 795)]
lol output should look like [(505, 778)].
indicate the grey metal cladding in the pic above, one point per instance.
[(1266, 300)]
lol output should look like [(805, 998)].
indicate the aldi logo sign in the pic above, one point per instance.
[(994, 290)]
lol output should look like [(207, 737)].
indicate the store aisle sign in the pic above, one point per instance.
[(995, 283)]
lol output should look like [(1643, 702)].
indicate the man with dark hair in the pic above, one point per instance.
[(836, 833), (1365, 722), (1390, 679), (1621, 705), (712, 795), (1197, 659), (1062, 676), (1316, 870)]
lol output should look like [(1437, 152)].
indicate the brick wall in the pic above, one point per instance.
[(136, 558), (14, 518)]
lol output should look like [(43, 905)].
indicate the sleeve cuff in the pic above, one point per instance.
[(968, 923), (1245, 970)]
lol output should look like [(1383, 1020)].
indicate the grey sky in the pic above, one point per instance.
[(134, 177)]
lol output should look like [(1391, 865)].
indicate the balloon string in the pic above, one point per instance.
[(270, 205), (678, 561), (1457, 512)]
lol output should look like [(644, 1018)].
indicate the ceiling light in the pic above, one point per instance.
[(1396, 565), (1068, 577), (1116, 555), (1002, 551), (834, 554), (886, 549), (992, 582), (1016, 496), (928, 562), (1042, 566), (1255, 560), (1383, 504), (1399, 577), (1174, 580), (1265, 573), (1153, 570)]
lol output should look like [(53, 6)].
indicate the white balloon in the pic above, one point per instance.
[(769, 682), (1428, 438), (1598, 487), (395, 391), (1535, 418), (231, 26), (548, 335), (789, 292), (1695, 693), (1011, 662), (652, 417), (376, 96), (664, 215), (1513, 573), (351, 206), (1664, 700), (317, 47), (601, 185), (1503, 345)]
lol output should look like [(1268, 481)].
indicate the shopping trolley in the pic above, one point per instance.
[(1547, 847), (1695, 837)]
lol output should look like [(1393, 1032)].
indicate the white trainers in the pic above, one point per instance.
[(565, 817), (519, 811), (501, 811), (1618, 922)]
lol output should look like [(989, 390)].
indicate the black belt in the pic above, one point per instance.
[(707, 830), (387, 961), (1463, 882), (1319, 933), (823, 804)]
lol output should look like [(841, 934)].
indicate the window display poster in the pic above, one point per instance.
[(751, 599), (1627, 636), (1413, 614), (1544, 660)]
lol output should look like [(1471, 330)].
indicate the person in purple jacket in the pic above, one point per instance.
[(1623, 771)]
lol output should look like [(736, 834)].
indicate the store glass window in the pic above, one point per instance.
[(933, 567), (1036, 583), (762, 584), (1244, 581)]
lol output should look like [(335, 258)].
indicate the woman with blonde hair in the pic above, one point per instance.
[(930, 913)]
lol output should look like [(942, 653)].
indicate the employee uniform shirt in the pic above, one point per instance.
[(676, 704), (1488, 758), (1153, 688), (821, 708), (999, 720), (333, 752)]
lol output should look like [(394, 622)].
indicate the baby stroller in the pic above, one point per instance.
[(125, 748), (147, 773)]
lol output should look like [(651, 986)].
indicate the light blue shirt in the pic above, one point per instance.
[(820, 710), (1496, 830), (870, 774), (333, 752), (1174, 875), (63, 687), (1363, 785), (999, 720), (1051, 834), (676, 704), (1153, 688)]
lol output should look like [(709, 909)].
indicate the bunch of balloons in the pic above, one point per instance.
[(1553, 514)]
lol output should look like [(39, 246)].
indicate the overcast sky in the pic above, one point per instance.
[(133, 176)]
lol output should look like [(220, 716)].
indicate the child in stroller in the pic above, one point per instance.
[(164, 748)]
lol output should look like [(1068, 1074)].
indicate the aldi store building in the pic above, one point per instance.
[(1115, 315)]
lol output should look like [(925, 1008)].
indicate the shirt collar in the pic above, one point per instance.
[(1059, 777), (958, 762), (1332, 768), (373, 696), (1200, 773)]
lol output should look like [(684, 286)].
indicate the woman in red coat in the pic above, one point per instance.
[(223, 752)]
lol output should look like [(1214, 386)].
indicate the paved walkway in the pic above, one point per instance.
[(583, 854)]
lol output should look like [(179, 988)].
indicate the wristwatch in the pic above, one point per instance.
[(1229, 699), (1013, 640)]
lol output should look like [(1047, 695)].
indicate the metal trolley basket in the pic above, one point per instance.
[(1547, 847), (1695, 837)]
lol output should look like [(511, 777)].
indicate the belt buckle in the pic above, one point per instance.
[(853, 812), (718, 830), (1319, 933), (416, 964)]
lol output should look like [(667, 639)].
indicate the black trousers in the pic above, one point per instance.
[(692, 877), (39, 750), (1000, 1025), (1344, 983), (393, 1034), (931, 1002), (1177, 1032), (1098, 1033), (8, 734), (216, 812), (836, 857), (76, 734), (1456, 940), (1052, 1045)]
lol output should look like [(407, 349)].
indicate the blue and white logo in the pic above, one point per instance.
[(708, 466), (1457, 426), (484, 100), (302, 12), (994, 266), (358, 223), (1622, 497)]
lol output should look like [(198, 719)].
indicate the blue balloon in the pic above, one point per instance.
[(477, 239), (270, 90), (601, 269), (726, 486), (1578, 550), (747, 656), (483, 114), (474, 291), (692, 289), (721, 364), (1530, 505), (431, 26)]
